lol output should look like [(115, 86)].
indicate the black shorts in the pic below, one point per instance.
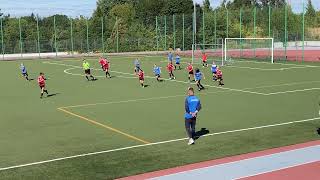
[(42, 86), (87, 71), (191, 72), (177, 63), (219, 78), (158, 75), (141, 79), (137, 69)]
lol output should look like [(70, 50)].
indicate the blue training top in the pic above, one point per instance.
[(137, 63), (177, 59), (192, 104), (23, 69), (198, 76), (214, 68), (157, 70), (170, 56)]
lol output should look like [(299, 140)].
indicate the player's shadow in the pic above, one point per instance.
[(54, 94), (94, 79), (202, 132), (31, 79), (146, 85), (318, 130)]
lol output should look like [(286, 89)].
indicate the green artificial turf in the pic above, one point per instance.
[(34, 129)]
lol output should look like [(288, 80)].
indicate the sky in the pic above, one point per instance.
[(84, 7)]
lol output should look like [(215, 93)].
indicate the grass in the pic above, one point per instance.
[(34, 129)]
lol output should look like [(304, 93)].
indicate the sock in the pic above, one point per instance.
[(92, 77), (189, 78), (46, 91), (27, 78), (41, 95), (142, 85), (87, 78)]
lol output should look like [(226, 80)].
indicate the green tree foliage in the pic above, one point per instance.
[(133, 23)]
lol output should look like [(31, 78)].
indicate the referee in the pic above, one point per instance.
[(192, 107)]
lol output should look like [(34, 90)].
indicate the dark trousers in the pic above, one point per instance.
[(190, 125)]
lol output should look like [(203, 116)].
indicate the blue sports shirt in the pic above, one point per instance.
[(177, 59), (23, 69), (157, 70), (192, 104), (170, 56), (137, 63), (198, 76), (214, 68)]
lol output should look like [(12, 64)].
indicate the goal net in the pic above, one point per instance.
[(246, 49), (214, 53)]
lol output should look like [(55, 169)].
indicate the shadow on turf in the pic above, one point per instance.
[(202, 132), (51, 95)]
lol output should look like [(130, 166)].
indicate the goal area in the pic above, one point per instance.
[(248, 49)]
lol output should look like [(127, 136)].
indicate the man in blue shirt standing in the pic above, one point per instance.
[(192, 107)]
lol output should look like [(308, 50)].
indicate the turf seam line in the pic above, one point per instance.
[(292, 91), (104, 126), (151, 144), (279, 85)]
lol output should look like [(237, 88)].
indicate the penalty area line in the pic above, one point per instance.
[(156, 143)]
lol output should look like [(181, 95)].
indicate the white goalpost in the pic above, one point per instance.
[(257, 49)]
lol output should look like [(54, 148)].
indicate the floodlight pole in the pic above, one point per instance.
[(55, 35), (157, 33), (38, 34), (2, 43), (102, 35), (20, 34), (183, 33)]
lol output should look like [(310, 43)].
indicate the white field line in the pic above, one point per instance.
[(279, 85), (293, 91), (184, 82), (73, 74), (254, 68), (300, 65), (156, 143)]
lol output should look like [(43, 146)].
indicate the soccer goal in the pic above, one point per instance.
[(245, 49), (214, 53)]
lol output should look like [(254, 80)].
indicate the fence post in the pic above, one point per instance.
[(285, 31), (20, 35), (157, 37), (38, 34), (165, 33), (117, 34), (303, 31), (174, 32), (203, 29), (2, 41), (102, 35), (227, 23), (87, 24), (241, 48), (55, 35), (183, 32), (215, 26), (254, 29), (71, 36), (269, 33)]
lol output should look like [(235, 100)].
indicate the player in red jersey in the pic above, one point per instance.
[(105, 67), (42, 84), (190, 71), (204, 59), (102, 62), (170, 68), (141, 77), (219, 77)]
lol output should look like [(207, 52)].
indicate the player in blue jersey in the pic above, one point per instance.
[(214, 71), (24, 72), (198, 77), (170, 57), (192, 107), (178, 62), (137, 66), (157, 72)]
